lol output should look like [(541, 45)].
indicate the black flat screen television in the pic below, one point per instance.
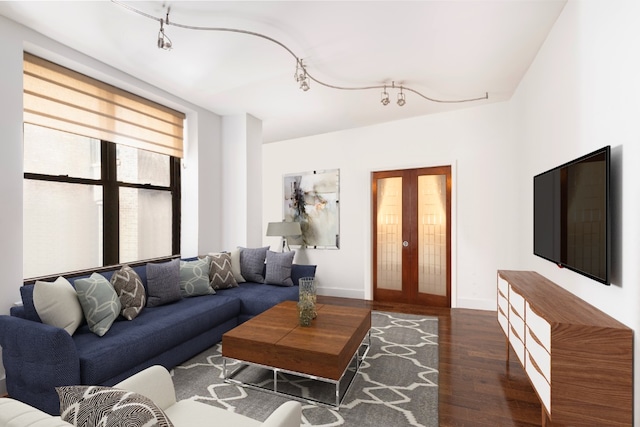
[(571, 215)]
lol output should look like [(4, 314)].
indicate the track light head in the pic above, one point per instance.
[(163, 41), (384, 97), (401, 99), (301, 76)]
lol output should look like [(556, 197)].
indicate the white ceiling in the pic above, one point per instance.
[(445, 49)]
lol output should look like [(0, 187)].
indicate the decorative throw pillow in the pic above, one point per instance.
[(57, 304), (130, 290), (252, 263), (163, 283), (220, 272), (108, 407), (194, 278), (279, 268), (235, 266), (99, 301)]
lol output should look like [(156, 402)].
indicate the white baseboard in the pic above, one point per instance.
[(341, 292), (477, 304)]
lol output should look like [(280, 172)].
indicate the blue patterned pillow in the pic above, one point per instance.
[(99, 301), (108, 407), (194, 278), (252, 263)]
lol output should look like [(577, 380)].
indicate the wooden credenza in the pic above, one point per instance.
[(578, 359)]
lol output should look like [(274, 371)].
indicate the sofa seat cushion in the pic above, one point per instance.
[(154, 331), (258, 297)]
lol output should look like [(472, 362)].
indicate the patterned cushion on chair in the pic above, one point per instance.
[(108, 407)]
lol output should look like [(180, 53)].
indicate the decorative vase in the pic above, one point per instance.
[(307, 292), (305, 313)]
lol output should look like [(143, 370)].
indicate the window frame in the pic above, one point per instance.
[(111, 209)]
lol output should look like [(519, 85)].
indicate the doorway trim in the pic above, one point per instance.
[(368, 259)]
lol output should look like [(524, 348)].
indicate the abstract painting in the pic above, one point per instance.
[(312, 199)]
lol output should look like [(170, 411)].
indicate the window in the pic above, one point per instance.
[(101, 173), (90, 203)]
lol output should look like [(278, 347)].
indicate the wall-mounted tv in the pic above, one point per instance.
[(571, 215)]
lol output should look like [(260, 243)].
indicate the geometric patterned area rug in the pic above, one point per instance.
[(397, 384)]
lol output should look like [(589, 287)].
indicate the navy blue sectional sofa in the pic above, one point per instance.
[(38, 357)]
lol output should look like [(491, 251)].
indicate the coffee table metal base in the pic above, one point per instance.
[(341, 385)]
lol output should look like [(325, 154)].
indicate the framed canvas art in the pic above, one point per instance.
[(313, 200)]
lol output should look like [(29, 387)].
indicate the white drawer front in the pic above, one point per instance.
[(540, 327), (517, 345), (517, 324), (539, 354), (503, 304), (539, 383), (503, 286), (504, 323), (517, 301)]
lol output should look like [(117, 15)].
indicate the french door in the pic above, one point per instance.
[(412, 236)]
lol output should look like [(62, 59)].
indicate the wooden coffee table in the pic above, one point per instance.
[(331, 350)]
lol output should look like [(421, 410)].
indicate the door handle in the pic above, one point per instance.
[(405, 243)]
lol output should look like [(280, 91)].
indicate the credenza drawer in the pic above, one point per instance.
[(517, 324), (503, 304), (539, 354), (504, 323), (540, 327), (540, 384), (517, 301), (518, 345), (503, 286)]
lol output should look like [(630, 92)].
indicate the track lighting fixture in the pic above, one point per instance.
[(302, 75), (401, 100), (163, 41), (384, 97)]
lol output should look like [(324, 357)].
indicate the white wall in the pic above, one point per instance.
[(476, 142), (203, 131), (582, 93)]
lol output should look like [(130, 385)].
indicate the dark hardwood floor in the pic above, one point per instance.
[(476, 385)]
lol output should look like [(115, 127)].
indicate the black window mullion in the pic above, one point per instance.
[(111, 208), (176, 203)]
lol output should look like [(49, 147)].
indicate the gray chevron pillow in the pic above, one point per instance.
[(99, 302), (220, 273), (130, 291), (108, 407)]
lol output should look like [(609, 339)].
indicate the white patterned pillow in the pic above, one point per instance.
[(99, 301), (57, 304), (130, 290), (220, 273), (194, 278), (108, 407)]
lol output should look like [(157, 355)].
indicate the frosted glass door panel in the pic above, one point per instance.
[(389, 228), (432, 234)]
